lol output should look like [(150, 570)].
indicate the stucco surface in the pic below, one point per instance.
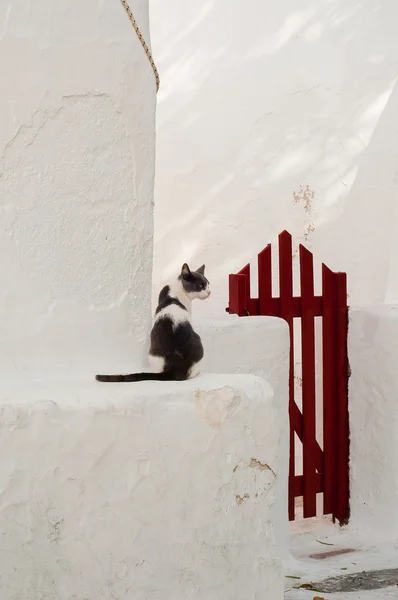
[(145, 491), (275, 117), (259, 346), (373, 404), (76, 186)]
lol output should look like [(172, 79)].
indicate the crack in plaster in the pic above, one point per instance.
[(268, 114), (90, 308), (304, 90), (43, 115), (256, 464)]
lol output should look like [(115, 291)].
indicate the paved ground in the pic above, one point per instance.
[(322, 551), (386, 594)]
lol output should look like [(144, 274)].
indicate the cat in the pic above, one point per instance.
[(176, 349)]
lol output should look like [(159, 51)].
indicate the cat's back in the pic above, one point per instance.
[(169, 339), (188, 342)]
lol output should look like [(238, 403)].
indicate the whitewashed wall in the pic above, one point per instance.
[(77, 145), (373, 355), (259, 346), (274, 116), (155, 491)]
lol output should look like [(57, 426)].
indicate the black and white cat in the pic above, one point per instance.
[(176, 349)]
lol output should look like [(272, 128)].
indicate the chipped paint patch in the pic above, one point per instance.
[(256, 464), (310, 228), (240, 499), (215, 406), (304, 196)]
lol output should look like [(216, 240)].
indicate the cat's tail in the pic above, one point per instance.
[(164, 376)]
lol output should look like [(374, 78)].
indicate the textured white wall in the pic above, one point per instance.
[(76, 185), (259, 346), (278, 116), (150, 491), (373, 355)]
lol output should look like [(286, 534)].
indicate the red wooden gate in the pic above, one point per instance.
[(325, 470)]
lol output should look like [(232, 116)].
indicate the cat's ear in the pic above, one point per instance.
[(185, 270), (201, 270)]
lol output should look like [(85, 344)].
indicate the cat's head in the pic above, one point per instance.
[(194, 283)]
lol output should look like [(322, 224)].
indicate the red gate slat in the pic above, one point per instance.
[(299, 484), (329, 386), (308, 381), (251, 306), (274, 310), (342, 460), (237, 294), (286, 307), (299, 428), (246, 272), (267, 307)]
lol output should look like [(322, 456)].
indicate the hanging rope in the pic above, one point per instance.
[(143, 42)]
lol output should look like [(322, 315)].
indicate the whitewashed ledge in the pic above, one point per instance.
[(259, 346), (141, 491)]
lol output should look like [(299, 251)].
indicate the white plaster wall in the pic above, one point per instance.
[(77, 104), (259, 346), (272, 117), (373, 402), (144, 491)]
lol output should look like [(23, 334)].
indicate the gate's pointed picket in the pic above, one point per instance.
[(265, 281)]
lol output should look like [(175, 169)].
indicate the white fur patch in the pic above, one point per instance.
[(156, 363), (204, 294), (194, 370), (175, 313)]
